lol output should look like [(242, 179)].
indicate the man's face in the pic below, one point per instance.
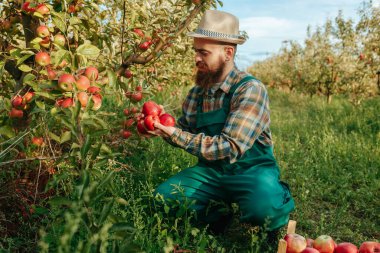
[(210, 61)]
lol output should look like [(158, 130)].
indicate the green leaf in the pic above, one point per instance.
[(24, 68), (75, 21), (106, 180), (40, 105), (15, 52), (66, 136), (60, 201), (84, 182), (7, 131), (44, 94), (122, 226), (105, 211), (22, 59), (111, 78), (59, 22), (37, 14), (86, 147), (29, 77), (55, 137), (88, 50)]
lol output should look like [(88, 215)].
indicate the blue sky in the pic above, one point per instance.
[(269, 23)]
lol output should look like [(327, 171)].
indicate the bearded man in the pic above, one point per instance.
[(225, 123)]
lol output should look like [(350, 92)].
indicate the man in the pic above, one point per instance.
[(225, 123)]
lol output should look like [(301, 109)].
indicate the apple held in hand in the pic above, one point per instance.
[(346, 247), (295, 243), (149, 122), (325, 244), (167, 120), (151, 108), (369, 247)]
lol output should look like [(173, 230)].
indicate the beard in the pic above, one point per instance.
[(207, 78)]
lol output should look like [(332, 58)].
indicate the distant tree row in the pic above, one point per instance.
[(340, 57)]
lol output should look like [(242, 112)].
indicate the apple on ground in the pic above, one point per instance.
[(66, 82), (310, 250), (128, 123), (167, 120), (346, 247), (151, 108), (309, 242), (324, 243), (42, 58), (369, 247), (295, 243), (37, 141), (91, 73)]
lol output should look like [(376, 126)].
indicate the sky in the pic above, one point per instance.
[(269, 23)]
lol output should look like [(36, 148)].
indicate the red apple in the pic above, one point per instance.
[(42, 58), (346, 247), (324, 243), (125, 134), (139, 32), (83, 83), (83, 98), (45, 42), (149, 122), (128, 123), (138, 88), (310, 250), (126, 112), (28, 7), (136, 97), (309, 242), (66, 82), (369, 247), (295, 243), (128, 73), (43, 31), (60, 40), (91, 73), (51, 74), (97, 99), (151, 108), (144, 46), (28, 96), (167, 120), (37, 141), (17, 101), (43, 9), (134, 110), (16, 113), (140, 127), (67, 102), (93, 90), (71, 8)]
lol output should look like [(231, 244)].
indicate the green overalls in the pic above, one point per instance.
[(252, 182)]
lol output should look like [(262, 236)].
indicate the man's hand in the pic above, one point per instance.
[(163, 131)]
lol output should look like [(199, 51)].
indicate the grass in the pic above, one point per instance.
[(329, 154)]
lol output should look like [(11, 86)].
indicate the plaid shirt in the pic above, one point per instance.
[(247, 121)]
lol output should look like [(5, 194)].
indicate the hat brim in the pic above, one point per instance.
[(228, 40)]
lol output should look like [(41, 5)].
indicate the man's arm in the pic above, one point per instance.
[(248, 118)]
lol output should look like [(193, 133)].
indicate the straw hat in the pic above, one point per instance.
[(219, 26)]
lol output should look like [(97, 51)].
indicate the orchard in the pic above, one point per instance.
[(82, 84)]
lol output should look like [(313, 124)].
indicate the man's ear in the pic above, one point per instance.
[(229, 52)]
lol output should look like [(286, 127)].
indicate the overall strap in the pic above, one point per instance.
[(226, 102)]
